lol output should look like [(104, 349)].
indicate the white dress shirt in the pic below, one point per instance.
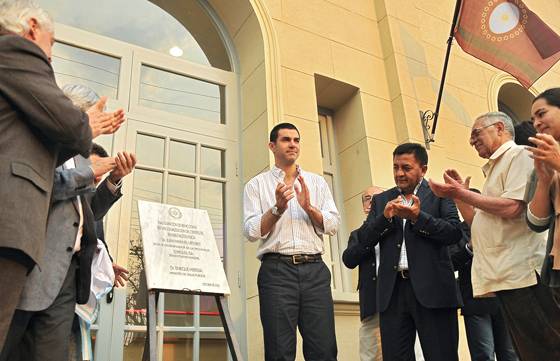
[(403, 260), (294, 232)]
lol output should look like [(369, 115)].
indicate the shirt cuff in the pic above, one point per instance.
[(114, 188), (253, 229), (537, 221), (330, 224)]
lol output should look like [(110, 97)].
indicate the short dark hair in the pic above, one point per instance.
[(413, 148), (523, 131), (98, 150), (276, 129), (551, 96)]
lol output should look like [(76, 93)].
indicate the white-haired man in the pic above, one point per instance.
[(40, 128), (507, 254)]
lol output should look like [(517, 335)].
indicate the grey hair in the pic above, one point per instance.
[(15, 14), (82, 96), (491, 117)]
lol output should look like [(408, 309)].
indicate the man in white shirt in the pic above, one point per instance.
[(507, 254), (289, 210)]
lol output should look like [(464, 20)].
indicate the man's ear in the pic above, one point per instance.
[(500, 126), (271, 146), (424, 169), (33, 25)]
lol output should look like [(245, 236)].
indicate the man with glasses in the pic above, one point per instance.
[(367, 259), (507, 254)]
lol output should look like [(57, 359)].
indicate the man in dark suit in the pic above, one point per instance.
[(361, 255), (487, 335), (45, 312), (39, 129), (416, 283)]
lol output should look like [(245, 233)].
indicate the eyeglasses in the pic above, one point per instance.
[(366, 199), (475, 133)]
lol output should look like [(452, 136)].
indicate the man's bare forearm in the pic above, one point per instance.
[(466, 210), (268, 221), (316, 216), (540, 204), (501, 207)]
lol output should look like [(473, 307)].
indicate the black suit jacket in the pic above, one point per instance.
[(95, 207), (462, 261), (361, 254), (431, 271)]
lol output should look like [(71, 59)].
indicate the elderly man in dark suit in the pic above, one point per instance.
[(416, 283), (42, 323), (39, 128)]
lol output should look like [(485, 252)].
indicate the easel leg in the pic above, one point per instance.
[(151, 336), (228, 328)]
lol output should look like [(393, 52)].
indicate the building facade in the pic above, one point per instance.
[(204, 81)]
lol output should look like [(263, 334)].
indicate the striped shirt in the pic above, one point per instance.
[(293, 233)]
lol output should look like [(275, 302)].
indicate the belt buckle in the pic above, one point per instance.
[(403, 274), (295, 258)]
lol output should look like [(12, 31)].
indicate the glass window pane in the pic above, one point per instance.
[(211, 162), (147, 186), (150, 150), (73, 65), (212, 199), (182, 156), (180, 191), (209, 313), (177, 346), (133, 345), (213, 347), (181, 29), (180, 94), (178, 310)]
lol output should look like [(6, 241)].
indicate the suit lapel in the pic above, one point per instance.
[(79, 162), (423, 191)]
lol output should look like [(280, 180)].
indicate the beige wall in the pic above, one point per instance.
[(391, 51)]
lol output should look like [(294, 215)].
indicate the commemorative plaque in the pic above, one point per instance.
[(180, 251)]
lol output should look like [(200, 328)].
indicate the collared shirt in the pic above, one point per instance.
[(403, 260), (506, 252), (293, 233)]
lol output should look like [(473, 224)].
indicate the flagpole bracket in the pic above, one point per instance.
[(426, 118)]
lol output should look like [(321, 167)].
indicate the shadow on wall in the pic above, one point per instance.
[(419, 69)]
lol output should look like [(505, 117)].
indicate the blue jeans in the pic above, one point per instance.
[(487, 335)]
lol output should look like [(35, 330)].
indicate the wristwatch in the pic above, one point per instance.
[(274, 210)]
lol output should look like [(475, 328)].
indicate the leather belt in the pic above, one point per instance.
[(294, 258), (403, 274)]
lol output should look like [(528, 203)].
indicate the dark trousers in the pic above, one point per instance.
[(12, 281), (437, 328), (532, 316), (296, 296), (487, 335), (44, 335)]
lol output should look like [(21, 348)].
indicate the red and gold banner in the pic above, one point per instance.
[(508, 36)]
